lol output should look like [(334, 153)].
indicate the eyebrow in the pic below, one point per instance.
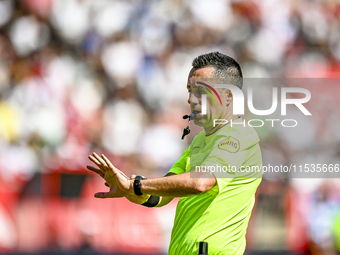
[(199, 85)]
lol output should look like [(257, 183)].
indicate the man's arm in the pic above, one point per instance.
[(163, 200), (116, 192), (179, 185)]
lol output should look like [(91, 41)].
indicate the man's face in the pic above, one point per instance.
[(218, 101)]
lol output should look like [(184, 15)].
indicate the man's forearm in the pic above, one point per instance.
[(179, 185)]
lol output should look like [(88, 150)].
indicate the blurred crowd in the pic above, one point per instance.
[(78, 76)]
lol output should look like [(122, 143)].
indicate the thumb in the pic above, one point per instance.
[(102, 195), (133, 176)]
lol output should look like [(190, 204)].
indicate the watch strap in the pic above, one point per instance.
[(137, 185)]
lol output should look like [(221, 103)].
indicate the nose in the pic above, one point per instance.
[(192, 99)]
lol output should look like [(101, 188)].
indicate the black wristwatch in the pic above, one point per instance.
[(137, 185)]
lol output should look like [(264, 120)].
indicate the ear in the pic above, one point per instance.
[(229, 97)]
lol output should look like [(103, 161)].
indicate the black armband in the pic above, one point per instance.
[(152, 201)]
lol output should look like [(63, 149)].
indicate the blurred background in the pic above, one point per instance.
[(109, 76)]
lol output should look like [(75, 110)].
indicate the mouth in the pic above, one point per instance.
[(194, 114)]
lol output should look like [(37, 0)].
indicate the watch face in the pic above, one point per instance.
[(140, 177)]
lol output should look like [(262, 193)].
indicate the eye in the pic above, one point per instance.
[(201, 91)]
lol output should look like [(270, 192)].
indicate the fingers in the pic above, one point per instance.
[(102, 195), (105, 166), (102, 162), (94, 160), (109, 164), (99, 161), (133, 176), (96, 170), (107, 195)]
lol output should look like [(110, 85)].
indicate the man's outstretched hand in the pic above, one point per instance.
[(120, 185), (114, 190)]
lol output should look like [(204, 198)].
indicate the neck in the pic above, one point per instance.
[(211, 130)]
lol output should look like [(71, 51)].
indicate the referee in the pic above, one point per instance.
[(215, 203)]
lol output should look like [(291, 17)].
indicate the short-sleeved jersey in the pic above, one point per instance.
[(219, 216)]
